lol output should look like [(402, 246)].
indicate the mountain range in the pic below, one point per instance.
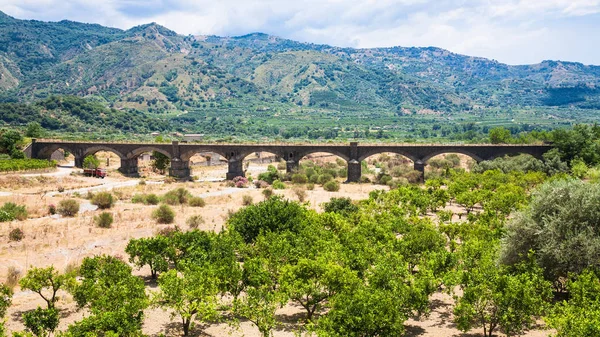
[(153, 70)]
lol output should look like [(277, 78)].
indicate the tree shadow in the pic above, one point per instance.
[(413, 331), (150, 282), (175, 328)]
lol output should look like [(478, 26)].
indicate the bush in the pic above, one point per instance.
[(247, 200), (561, 225), (163, 214), (271, 175), (9, 165), (168, 231), (340, 205), (104, 200), (278, 185), (68, 207), (151, 199), (332, 186), (300, 193), (240, 182), (299, 178), (177, 196), (104, 220), (324, 178), (11, 211), (16, 234), (138, 199), (194, 221), (196, 202), (261, 184), (310, 186), (12, 277), (51, 209), (267, 193)]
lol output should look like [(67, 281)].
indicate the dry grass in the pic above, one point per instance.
[(13, 275)]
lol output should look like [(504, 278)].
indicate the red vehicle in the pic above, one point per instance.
[(98, 173)]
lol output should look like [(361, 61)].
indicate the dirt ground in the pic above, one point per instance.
[(52, 240)]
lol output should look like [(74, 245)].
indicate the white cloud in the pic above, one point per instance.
[(513, 31)]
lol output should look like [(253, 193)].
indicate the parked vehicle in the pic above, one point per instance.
[(98, 173)]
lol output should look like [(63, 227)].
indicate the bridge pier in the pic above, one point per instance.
[(420, 166), (354, 171), (292, 166), (129, 167), (78, 160), (235, 168), (180, 169)]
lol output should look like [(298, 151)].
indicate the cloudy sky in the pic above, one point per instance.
[(510, 31)]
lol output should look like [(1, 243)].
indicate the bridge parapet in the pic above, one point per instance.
[(353, 153)]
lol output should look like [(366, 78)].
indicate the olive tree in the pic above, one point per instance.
[(561, 225)]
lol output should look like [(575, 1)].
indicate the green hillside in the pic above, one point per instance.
[(260, 85)]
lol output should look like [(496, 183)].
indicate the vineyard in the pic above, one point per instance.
[(12, 165)]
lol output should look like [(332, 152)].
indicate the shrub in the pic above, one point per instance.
[(104, 220), (51, 209), (12, 277), (177, 196), (332, 186), (281, 166), (104, 200), (247, 200), (267, 193), (299, 178), (138, 199), (61, 189), (68, 207), (163, 214), (310, 186), (11, 211), (168, 231), (364, 180), (151, 199), (194, 221), (270, 175), (261, 184), (142, 182), (16, 234), (340, 205), (300, 193), (278, 185), (196, 202), (324, 178), (240, 182)]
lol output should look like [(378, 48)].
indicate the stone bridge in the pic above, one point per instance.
[(353, 153)]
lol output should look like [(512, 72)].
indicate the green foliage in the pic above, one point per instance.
[(500, 135), (271, 215), (10, 143), (270, 176), (104, 220), (5, 299), (179, 196), (68, 207), (194, 221), (34, 130), (191, 293), (12, 165), (40, 321), (46, 282), (11, 211), (494, 297), (259, 306), (150, 251), (196, 202), (104, 200), (278, 185), (580, 315), (114, 298), (342, 206), (560, 226), (163, 214), (161, 161), (91, 162), (331, 186)]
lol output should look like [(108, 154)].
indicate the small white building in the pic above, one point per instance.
[(190, 137)]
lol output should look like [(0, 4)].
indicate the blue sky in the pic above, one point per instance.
[(510, 31)]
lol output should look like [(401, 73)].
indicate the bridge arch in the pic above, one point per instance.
[(95, 149), (372, 152), (141, 150), (452, 150)]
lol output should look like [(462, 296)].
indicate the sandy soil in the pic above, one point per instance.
[(64, 241)]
